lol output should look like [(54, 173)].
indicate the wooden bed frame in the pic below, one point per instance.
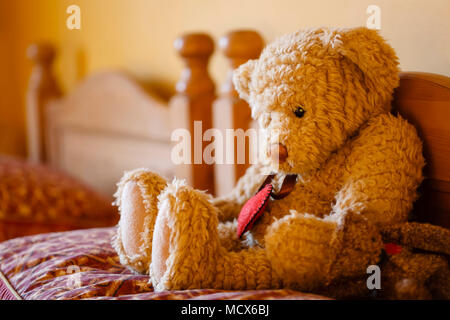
[(424, 100), (109, 123)]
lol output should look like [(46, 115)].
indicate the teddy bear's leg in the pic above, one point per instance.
[(309, 252), (228, 236), (137, 200), (188, 252), (184, 249)]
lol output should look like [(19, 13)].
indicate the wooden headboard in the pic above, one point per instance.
[(424, 100), (109, 124)]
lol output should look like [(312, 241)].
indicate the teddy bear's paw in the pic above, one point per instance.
[(185, 239), (300, 247), (137, 200)]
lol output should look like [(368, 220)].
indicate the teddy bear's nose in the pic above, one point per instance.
[(278, 152)]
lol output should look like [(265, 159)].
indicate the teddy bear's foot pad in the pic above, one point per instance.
[(137, 199), (185, 239)]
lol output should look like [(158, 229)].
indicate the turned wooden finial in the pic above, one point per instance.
[(192, 106), (239, 46), (230, 112), (41, 53), (195, 49), (42, 88)]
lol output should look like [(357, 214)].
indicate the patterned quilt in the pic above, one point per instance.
[(82, 264)]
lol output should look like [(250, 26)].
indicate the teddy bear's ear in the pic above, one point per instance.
[(242, 78), (374, 57)]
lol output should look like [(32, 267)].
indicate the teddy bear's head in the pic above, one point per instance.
[(313, 90)]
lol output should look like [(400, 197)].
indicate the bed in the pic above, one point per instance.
[(81, 264)]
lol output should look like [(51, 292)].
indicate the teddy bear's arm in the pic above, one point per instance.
[(230, 204), (308, 252), (384, 170)]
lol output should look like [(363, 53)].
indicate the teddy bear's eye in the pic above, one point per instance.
[(299, 112)]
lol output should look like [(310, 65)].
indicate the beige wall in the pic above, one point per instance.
[(137, 35)]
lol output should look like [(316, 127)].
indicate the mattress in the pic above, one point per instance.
[(82, 264)]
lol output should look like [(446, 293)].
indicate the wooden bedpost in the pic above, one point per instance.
[(42, 88), (191, 107), (231, 112)]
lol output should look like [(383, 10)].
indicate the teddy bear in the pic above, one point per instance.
[(413, 265), (338, 169), (417, 265)]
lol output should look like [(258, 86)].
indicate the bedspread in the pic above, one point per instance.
[(82, 264)]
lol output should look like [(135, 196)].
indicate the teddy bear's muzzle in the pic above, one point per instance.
[(278, 152)]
